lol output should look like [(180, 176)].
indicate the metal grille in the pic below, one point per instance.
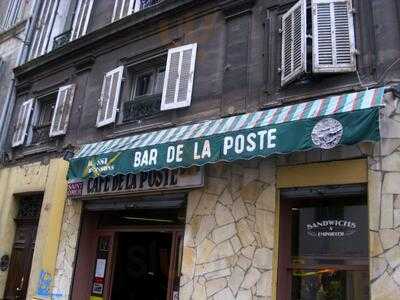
[(141, 108), (29, 207)]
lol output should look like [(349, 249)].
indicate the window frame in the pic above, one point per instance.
[(286, 203), (84, 20), (50, 97), (317, 84), (153, 71)]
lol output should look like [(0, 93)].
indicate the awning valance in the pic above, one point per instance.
[(324, 123)]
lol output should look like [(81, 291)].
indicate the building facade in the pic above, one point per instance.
[(188, 149)]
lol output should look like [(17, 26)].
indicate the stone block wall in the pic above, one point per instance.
[(229, 236), (67, 249), (384, 206)]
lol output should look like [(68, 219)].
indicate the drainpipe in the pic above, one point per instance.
[(5, 117)]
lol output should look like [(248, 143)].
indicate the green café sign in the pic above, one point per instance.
[(322, 133)]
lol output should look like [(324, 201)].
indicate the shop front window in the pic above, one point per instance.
[(326, 257)]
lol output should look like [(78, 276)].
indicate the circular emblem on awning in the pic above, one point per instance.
[(327, 133)]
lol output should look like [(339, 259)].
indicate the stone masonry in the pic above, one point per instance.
[(67, 249), (229, 236), (384, 206)]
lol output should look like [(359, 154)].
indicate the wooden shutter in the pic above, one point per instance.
[(62, 110), (22, 123), (12, 14), (122, 8), (81, 19), (294, 55), (43, 28), (109, 97), (179, 74), (333, 36)]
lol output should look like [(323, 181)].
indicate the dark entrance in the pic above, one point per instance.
[(133, 252), (24, 244), (142, 266)]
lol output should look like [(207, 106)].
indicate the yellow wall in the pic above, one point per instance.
[(51, 180), (328, 173)]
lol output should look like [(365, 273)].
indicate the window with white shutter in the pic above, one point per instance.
[(81, 19), (294, 54), (62, 110), (123, 8), (109, 97), (179, 74), (43, 28), (22, 123), (12, 14), (333, 36)]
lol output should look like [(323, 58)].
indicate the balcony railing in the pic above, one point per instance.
[(61, 39), (148, 3), (141, 108), (40, 134)]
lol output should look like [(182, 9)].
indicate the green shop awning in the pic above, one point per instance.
[(323, 123)]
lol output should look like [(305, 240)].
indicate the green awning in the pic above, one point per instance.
[(324, 123)]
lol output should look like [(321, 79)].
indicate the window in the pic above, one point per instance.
[(329, 25), (123, 8), (153, 89), (326, 254), (42, 124), (50, 118), (43, 28), (12, 15), (146, 93), (81, 19)]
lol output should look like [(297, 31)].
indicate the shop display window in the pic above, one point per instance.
[(324, 247)]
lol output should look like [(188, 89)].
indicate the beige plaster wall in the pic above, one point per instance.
[(49, 179)]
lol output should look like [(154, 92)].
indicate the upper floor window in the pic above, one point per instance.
[(146, 92), (41, 124), (45, 117), (43, 28), (329, 26), (12, 15), (158, 87), (123, 8), (83, 11)]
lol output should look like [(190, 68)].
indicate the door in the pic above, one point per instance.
[(323, 247), (22, 252)]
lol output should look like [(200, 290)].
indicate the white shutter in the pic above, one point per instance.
[(62, 110), (333, 36), (43, 28), (179, 74), (294, 54), (81, 19), (122, 8), (12, 14), (109, 97), (22, 123)]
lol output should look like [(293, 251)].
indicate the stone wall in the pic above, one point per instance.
[(229, 236), (67, 249), (384, 206)]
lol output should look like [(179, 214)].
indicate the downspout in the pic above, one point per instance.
[(5, 117)]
